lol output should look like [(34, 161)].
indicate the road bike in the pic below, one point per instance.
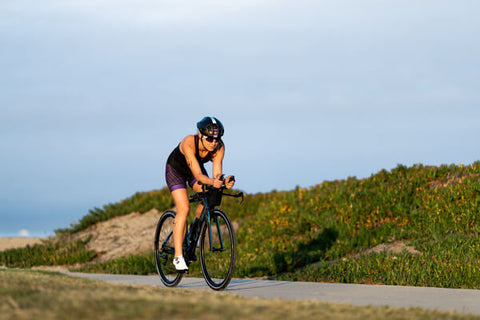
[(213, 232)]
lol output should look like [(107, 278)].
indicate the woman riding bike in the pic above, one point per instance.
[(186, 165)]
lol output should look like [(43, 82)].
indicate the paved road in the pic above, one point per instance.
[(460, 300)]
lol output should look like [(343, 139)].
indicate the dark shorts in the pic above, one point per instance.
[(176, 180)]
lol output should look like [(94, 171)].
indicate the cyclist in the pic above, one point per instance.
[(186, 165)]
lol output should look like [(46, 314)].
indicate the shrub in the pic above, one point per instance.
[(48, 254)]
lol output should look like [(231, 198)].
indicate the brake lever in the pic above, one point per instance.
[(240, 195), (236, 195)]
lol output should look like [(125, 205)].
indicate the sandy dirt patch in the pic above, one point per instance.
[(18, 242), (396, 247), (122, 236)]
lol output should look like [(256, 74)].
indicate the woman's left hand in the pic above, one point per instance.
[(229, 182)]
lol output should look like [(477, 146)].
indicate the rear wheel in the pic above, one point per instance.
[(218, 250), (165, 250)]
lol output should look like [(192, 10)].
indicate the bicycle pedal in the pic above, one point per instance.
[(192, 259), (182, 271)]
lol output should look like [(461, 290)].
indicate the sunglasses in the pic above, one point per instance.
[(211, 139)]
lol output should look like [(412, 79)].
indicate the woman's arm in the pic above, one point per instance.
[(187, 147), (217, 167), (217, 162)]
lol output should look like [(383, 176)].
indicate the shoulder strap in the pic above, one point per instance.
[(197, 153)]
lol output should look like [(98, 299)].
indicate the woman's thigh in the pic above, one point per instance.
[(180, 196)]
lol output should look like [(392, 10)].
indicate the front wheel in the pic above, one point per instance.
[(218, 250), (165, 250)]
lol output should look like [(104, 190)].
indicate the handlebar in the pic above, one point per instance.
[(222, 178), (208, 190)]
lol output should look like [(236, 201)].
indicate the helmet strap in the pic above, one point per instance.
[(201, 139)]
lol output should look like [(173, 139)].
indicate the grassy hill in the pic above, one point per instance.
[(322, 233)]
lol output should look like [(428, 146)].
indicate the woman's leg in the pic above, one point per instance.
[(198, 212), (180, 196), (197, 188)]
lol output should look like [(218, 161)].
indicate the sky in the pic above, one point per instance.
[(95, 94)]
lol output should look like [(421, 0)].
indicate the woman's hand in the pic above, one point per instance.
[(229, 182), (217, 183)]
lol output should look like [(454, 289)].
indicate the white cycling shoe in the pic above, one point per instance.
[(180, 264)]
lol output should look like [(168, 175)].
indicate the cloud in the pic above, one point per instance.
[(24, 233)]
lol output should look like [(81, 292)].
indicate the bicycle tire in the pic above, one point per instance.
[(165, 250), (218, 264)]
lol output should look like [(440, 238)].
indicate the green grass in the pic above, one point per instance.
[(143, 264), (319, 233), (50, 253), (43, 295), (436, 267)]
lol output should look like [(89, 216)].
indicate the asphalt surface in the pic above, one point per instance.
[(459, 300)]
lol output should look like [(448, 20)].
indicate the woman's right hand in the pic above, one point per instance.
[(217, 183)]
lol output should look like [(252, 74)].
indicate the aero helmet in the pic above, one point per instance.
[(210, 127)]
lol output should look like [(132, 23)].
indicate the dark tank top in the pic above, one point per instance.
[(179, 163)]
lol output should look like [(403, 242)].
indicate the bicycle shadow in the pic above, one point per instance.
[(305, 253), (235, 284), (250, 284)]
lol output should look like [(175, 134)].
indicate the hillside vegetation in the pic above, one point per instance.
[(322, 233)]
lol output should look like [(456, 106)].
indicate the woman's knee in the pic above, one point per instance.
[(182, 213), (181, 202)]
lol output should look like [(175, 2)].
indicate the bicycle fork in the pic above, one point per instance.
[(219, 232)]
